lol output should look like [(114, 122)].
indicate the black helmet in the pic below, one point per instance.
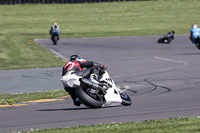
[(75, 57)]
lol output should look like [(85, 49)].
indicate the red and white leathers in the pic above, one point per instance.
[(77, 65)]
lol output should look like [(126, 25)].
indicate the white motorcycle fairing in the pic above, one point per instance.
[(111, 97), (70, 79)]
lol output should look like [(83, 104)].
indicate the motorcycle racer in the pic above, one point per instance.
[(194, 34), (91, 69), (54, 27), (167, 38)]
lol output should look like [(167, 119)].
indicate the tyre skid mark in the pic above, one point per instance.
[(158, 75)]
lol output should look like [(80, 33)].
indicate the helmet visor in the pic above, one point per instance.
[(75, 57)]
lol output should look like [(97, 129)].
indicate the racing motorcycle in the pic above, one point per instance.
[(55, 36), (94, 95), (167, 38)]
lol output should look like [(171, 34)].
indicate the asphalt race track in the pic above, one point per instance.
[(162, 80)]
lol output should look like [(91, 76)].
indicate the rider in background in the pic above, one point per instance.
[(55, 27), (77, 63), (194, 33)]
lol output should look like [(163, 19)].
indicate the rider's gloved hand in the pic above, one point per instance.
[(101, 69)]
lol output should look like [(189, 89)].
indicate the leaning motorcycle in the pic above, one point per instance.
[(55, 36), (167, 38), (94, 95)]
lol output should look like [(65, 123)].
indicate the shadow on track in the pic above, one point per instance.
[(83, 108), (190, 54)]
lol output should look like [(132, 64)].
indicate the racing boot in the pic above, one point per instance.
[(77, 102)]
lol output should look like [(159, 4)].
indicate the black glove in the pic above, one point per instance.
[(103, 67), (100, 67)]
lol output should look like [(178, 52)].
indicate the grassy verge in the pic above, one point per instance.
[(18, 51), (178, 125), (17, 98), (22, 23)]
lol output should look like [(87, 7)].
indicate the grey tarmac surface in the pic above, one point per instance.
[(30, 80), (162, 80)]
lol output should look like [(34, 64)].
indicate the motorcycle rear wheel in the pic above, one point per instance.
[(126, 100), (160, 40), (87, 100)]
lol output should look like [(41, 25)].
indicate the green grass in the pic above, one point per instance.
[(22, 23), (178, 125), (6, 99), (18, 52)]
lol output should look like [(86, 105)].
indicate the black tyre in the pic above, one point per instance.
[(198, 46), (160, 40), (126, 100), (198, 42), (55, 39), (92, 101)]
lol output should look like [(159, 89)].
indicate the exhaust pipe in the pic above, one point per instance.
[(90, 83)]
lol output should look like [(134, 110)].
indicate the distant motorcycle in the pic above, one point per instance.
[(167, 38), (93, 95), (55, 36)]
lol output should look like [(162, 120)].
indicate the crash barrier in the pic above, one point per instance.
[(12, 2)]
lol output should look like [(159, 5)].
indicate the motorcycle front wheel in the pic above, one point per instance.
[(92, 101), (55, 39), (126, 100)]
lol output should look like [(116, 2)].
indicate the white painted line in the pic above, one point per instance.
[(58, 54), (161, 58)]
